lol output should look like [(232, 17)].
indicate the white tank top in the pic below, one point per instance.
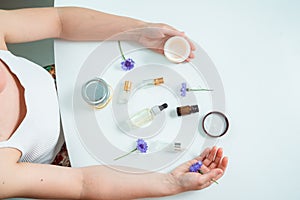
[(38, 135)]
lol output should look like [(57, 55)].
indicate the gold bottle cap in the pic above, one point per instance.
[(158, 81), (127, 85)]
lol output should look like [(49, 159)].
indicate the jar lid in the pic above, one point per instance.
[(215, 124), (96, 92)]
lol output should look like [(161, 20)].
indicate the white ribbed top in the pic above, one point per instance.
[(38, 134)]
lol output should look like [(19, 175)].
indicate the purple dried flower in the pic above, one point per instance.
[(141, 146), (183, 89), (195, 167), (128, 63)]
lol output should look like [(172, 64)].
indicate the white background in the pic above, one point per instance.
[(255, 46)]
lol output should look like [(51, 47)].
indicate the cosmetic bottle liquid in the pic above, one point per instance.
[(186, 110), (147, 115), (125, 92)]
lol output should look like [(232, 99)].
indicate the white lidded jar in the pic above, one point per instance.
[(177, 49)]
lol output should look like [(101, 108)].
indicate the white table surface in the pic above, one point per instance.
[(255, 47)]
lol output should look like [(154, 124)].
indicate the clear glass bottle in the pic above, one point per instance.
[(125, 92), (146, 115), (156, 81)]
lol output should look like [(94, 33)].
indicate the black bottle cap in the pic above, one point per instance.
[(163, 106), (194, 108)]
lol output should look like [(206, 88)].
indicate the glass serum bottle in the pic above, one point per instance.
[(125, 92), (145, 116)]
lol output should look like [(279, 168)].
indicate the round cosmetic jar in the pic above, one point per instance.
[(97, 93), (177, 49)]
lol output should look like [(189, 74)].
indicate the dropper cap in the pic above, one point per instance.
[(163, 106), (157, 109), (127, 86), (158, 81)]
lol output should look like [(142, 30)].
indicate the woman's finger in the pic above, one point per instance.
[(217, 159), (171, 32), (223, 163), (193, 47), (203, 155), (210, 157)]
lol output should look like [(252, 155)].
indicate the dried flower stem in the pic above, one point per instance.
[(121, 50), (190, 89), (126, 154)]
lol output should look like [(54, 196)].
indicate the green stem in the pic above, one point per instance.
[(190, 89), (121, 50), (211, 179), (126, 154)]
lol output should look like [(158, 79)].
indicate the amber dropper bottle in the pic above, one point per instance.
[(186, 110)]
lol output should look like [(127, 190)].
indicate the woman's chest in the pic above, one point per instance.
[(12, 107)]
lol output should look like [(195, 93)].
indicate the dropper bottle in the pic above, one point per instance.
[(186, 110), (147, 115)]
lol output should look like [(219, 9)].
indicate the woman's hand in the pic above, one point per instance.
[(214, 166), (154, 36)]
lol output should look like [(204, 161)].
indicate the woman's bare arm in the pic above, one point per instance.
[(71, 23), (101, 182), (25, 25), (81, 24), (95, 182)]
